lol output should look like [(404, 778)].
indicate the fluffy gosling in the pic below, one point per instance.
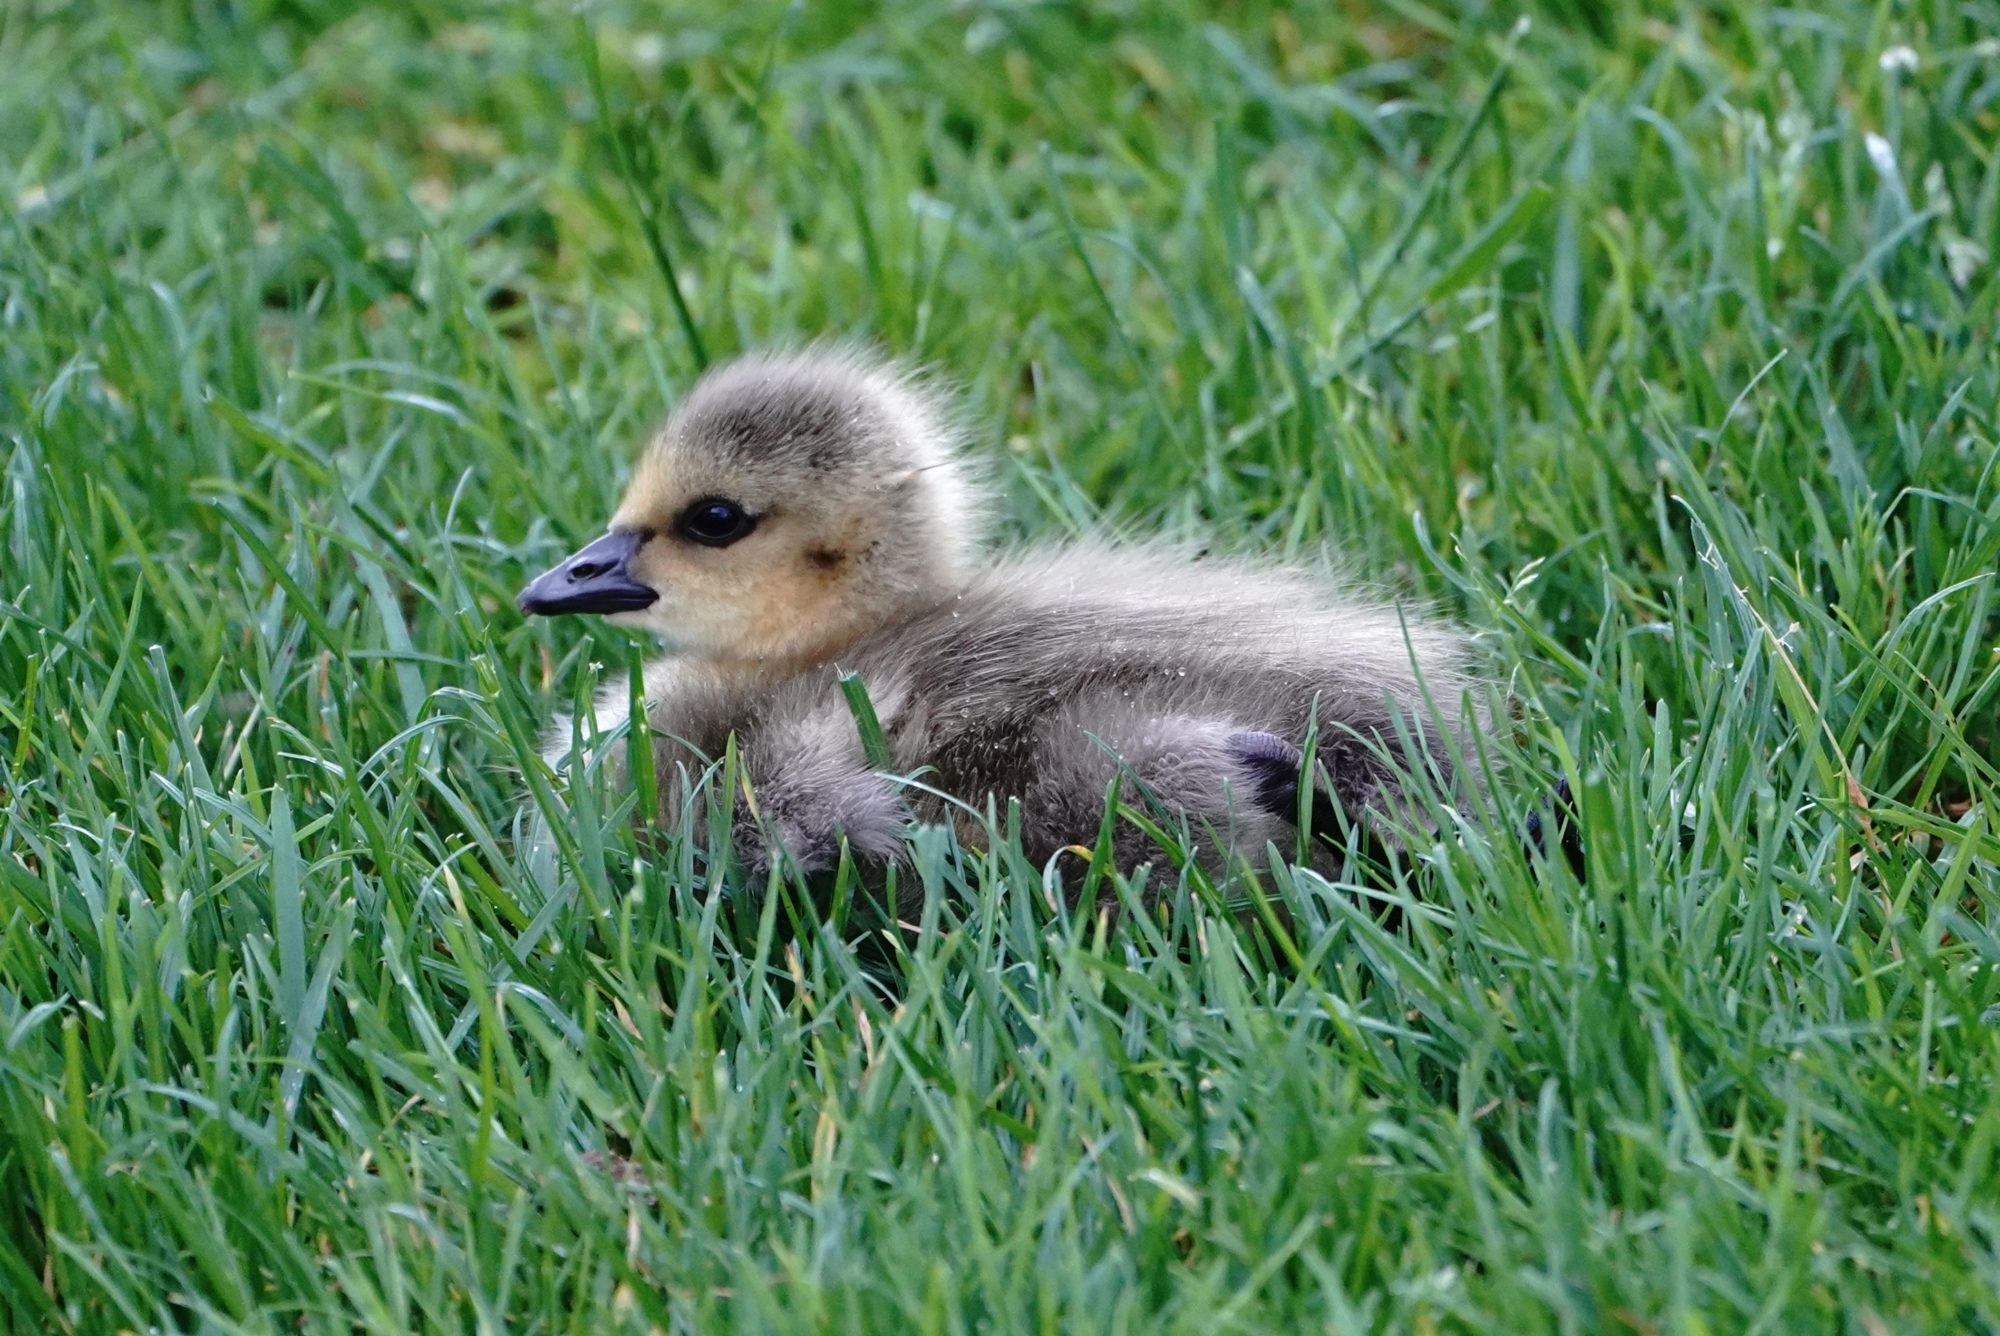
[(801, 516)]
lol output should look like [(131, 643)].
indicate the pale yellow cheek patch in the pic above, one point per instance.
[(655, 566), (789, 617)]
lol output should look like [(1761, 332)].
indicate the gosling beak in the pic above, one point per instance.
[(597, 579)]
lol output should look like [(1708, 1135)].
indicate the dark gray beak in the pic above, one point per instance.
[(597, 579)]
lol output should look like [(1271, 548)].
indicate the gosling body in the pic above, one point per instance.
[(807, 517)]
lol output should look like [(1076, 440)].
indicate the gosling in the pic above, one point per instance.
[(805, 516)]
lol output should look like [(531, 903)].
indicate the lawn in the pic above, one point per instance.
[(1658, 344)]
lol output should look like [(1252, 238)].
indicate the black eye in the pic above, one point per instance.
[(715, 522)]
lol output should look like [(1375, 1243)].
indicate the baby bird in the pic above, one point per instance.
[(809, 515)]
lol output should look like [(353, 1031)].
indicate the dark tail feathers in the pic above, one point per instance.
[(1274, 766)]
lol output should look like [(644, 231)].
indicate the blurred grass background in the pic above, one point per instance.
[(1657, 342)]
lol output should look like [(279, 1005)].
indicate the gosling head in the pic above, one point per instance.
[(791, 505)]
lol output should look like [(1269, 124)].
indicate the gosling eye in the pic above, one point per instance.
[(715, 522)]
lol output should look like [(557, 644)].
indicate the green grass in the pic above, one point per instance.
[(322, 326)]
